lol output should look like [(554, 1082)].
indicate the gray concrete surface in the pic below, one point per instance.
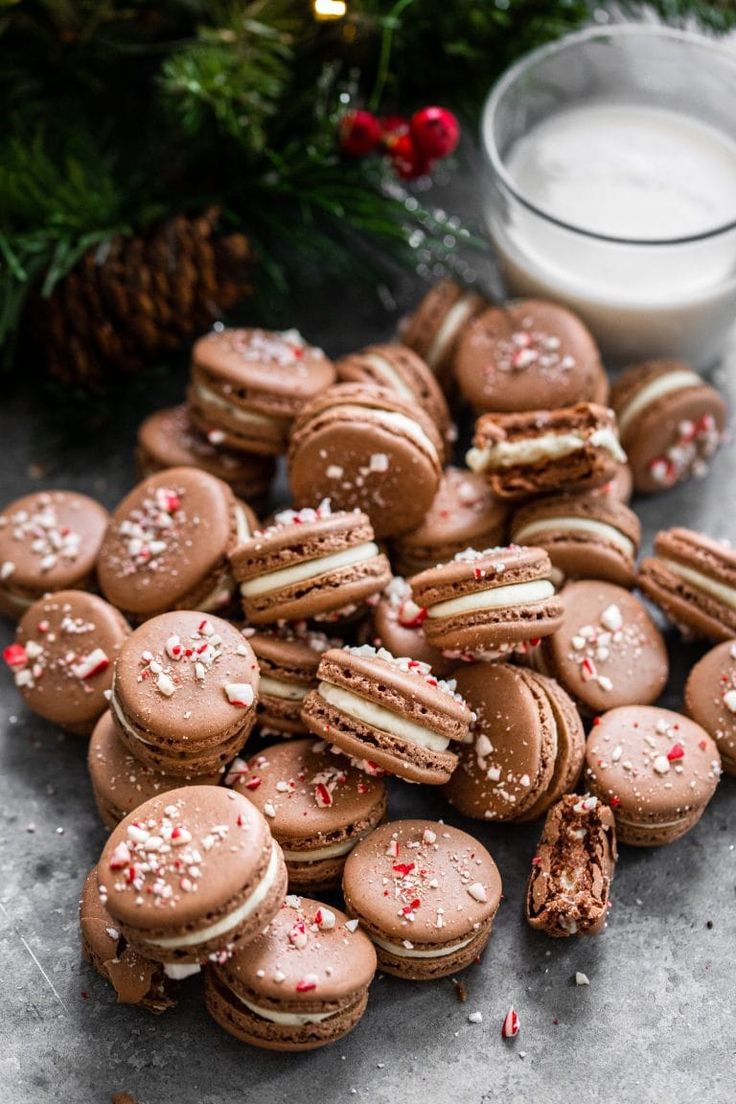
[(656, 1023)]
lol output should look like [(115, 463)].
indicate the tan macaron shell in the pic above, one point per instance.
[(269, 597), (71, 639), (463, 514), (313, 800), (476, 625), (529, 355), (437, 325), (121, 782), (184, 714), (397, 626), (136, 980), (391, 692), (608, 651), (657, 770), (298, 967), (366, 448), (49, 541), (587, 536), (288, 664), (183, 899), (703, 603), (710, 699), (167, 544), (423, 886)]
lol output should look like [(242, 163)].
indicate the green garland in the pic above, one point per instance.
[(119, 113)]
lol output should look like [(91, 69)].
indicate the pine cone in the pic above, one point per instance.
[(132, 300)]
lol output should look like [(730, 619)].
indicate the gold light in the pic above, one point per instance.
[(327, 10)]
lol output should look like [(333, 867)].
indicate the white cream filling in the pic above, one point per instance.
[(721, 591), (333, 851), (206, 394), (383, 719), (274, 580), (652, 825), (656, 389), (288, 1019), (277, 689), (548, 446), (177, 971), (456, 316), (233, 919), (399, 423), (579, 525), (401, 951), (241, 525), (386, 368), (123, 720), (537, 590)]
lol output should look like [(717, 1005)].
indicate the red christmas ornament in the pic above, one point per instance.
[(360, 132), (408, 162), (392, 127), (435, 130)]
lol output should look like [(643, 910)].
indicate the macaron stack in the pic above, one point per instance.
[(255, 693)]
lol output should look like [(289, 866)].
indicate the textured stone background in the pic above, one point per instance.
[(655, 1024)]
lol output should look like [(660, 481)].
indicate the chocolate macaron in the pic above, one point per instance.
[(436, 326), (63, 656), (710, 699), (184, 693), (391, 711), (656, 769), (587, 536), (426, 894), (288, 662), (250, 384), (487, 601), (670, 422), (608, 651), (620, 487), (168, 542), (303, 983), (463, 514), (528, 355), (574, 448), (49, 541), (120, 782), (567, 892), (310, 563), (526, 747), (399, 369), (367, 448), (692, 578), (167, 439), (397, 625), (135, 979), (191, 873), (317, 804)]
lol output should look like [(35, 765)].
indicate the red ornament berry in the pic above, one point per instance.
[(408, 162), (435, 130), (360, 132), (392, 127)]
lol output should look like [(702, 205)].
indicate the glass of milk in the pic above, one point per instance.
[(612, 186)]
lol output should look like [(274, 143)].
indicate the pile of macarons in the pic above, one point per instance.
[(251, 682)]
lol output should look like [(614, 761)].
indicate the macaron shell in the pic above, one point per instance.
[(685, 604), (710, 699), (262, 436), (167, 439), (199, 531), (463, 514), (70, 623), (423, 330), (348, 446), (598, 552), (649, 435), (620, 487), (510, 761), (529, 355), (136, 980), (567, 892), (451, 886), (197, 716), (570, 747), (388, 632), (656, 768), (31, 562), (608, 651)]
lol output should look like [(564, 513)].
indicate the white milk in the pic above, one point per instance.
[(627, 172)]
